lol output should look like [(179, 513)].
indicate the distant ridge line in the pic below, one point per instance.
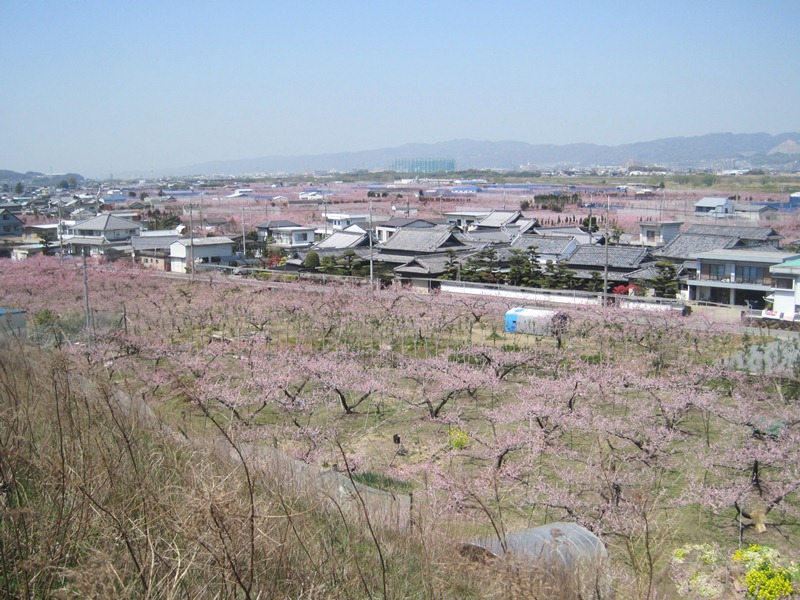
[(755, 148)]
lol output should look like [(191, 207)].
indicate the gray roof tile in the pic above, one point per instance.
[(619, 257)]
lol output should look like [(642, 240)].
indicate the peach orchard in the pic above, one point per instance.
[(632, 426)]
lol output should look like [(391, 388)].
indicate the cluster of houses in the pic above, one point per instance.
[(726, 208), (715, 262)]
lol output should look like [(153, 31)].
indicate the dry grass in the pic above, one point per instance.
[(99, 501)]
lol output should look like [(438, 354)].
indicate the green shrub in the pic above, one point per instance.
[(459, 439)]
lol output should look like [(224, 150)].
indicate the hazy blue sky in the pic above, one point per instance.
[(100, 86)]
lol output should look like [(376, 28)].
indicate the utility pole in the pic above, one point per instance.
[(605, 269), (60, 235), (371, 263), (191, 240), (86, 302), (244, 240)]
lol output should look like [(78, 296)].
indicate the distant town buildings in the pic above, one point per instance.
[(424, 165)]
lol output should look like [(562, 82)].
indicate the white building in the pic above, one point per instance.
[(200, 250), (785, 291), (714, 207), (339, 221), (737, 276), (293, 236), (658, 233)]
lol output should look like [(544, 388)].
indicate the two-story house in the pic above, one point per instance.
[(10, 224), (736, 276), (100, 235), (385, 229), (338, 221), (286, 234), (210, 250)]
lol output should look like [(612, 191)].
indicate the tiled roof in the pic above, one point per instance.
[(499, 218), (741, 232), (649, 272), (277, 223), (152, 242), (545, 245), (432, 265), (341, 240), (407, 222), (106, 223), (362, 252), (576, 232), (688, 245), (766, 253), (618, 257), (490, 235), (424, 241)]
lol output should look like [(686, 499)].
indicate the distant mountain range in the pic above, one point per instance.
[(32, 177), (749, 149), (723, 150)]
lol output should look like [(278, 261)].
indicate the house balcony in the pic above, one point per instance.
[(736, 279), (729, 291)]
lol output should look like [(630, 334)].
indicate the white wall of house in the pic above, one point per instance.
[(785, 291), (658, 233), (293, 237), (180, 254), (344, 220)]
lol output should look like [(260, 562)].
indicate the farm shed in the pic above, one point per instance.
[(536, 321), (559, 556)]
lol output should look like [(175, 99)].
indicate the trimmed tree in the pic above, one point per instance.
[(312, 261)]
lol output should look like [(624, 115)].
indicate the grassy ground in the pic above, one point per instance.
[(611, 364)]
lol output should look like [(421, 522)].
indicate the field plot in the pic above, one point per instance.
[(632, 427)]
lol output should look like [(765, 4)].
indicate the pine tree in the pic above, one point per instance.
[(665, 284)]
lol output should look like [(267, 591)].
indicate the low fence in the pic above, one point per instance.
[(544, 297), (530, 296)]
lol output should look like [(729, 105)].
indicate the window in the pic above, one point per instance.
[(749, 274), (716, 272), (782, 283), (651, 235)]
